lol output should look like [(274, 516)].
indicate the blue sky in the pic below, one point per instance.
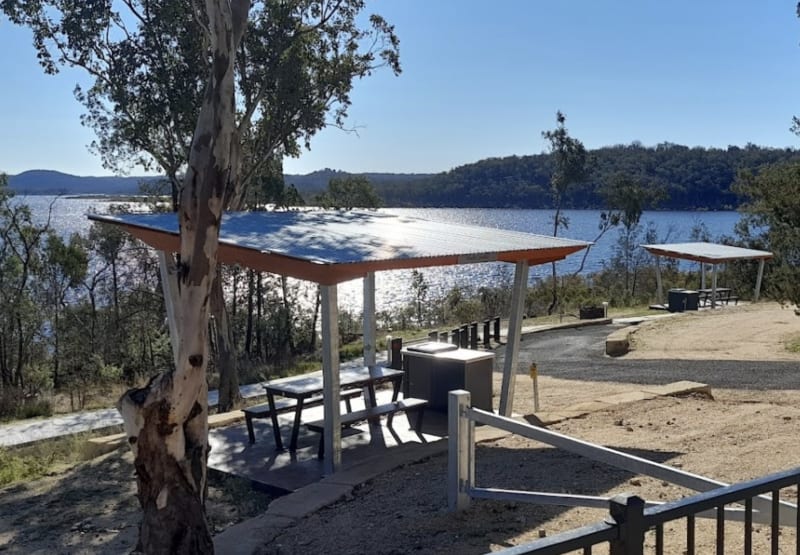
[(484, 78)]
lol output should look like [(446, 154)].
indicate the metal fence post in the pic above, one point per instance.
[(395, 350), (497, 329), (473, 335), (487, 340), (460, 451), (627, 512), (464, 336)]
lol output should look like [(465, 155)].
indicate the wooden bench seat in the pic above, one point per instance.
[(287, 404), (407, 405)]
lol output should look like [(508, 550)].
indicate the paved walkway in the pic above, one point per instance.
[(31, 431)]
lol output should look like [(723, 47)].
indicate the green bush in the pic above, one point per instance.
[(34, 408)]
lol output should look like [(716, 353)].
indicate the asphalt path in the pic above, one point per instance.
[(579, 354)]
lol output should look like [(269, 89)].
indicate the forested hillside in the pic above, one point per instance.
[(693, 178)]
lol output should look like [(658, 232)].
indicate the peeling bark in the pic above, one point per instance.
[(167, 421)]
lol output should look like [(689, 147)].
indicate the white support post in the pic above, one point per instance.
[(369, 319), (713, 285), (659, 286), (460, 451), (513, 337), (169, 285), (702, 275), (758, 280), (330, 378)]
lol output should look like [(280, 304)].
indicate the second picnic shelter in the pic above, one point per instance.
[(707, 253)]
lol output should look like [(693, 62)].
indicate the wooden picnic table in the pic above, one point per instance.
[(722, 295), (310, 385)]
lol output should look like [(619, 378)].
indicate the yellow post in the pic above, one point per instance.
[(534, 377)]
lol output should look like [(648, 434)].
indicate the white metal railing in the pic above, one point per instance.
[(461, 467)]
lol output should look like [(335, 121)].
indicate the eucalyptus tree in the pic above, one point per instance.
[(65, 267), (293, 72), (347, 193), (629, 196), (21, 314), (167, 420), (570, 167), (770, 220)]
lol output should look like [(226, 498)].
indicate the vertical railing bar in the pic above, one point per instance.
[(721, 530), (587, 550), (660, 539), (776, 499), (690, 523), (748, 526), (797, 522)]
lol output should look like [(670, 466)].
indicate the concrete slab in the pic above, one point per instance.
[(618, 343), (97, 446), (587, 406), (250, 536), (308, 499), (379, 464), (628, 397), (545, 419), (683, 387)]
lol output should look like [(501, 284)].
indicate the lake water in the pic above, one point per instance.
[(68, 215)]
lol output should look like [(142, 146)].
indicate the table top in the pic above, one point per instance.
[(306, 385), (722, 293), (459, 355)]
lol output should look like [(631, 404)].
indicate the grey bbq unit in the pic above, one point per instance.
[(431, 372)]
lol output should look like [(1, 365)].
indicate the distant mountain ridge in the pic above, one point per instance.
[(50, 182), (692, 178)]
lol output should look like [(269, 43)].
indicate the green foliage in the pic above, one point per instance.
[(771, 221), (691, 178), (420, 289), (793, 344), (347, 193), (149, 63), (32, 462), (569, 168), (628, 197), (35, 408), (569, 159)]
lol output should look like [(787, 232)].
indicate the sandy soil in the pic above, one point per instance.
[(745, 332), (735, 436)]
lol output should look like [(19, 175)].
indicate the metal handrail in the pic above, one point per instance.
[(630, 517)]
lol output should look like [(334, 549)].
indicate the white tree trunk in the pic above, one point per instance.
[(167, 420)]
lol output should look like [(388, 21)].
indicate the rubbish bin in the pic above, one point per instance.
[(680, 300), (432, 372)]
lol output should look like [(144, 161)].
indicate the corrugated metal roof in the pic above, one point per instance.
[(384, 241), (711, 253)]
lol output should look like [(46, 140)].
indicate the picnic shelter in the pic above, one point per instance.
[(707, 253), (331, 247)]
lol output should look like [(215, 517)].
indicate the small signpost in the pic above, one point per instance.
[(534, 377)]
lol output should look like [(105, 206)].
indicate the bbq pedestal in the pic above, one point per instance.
[(433, 369)]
